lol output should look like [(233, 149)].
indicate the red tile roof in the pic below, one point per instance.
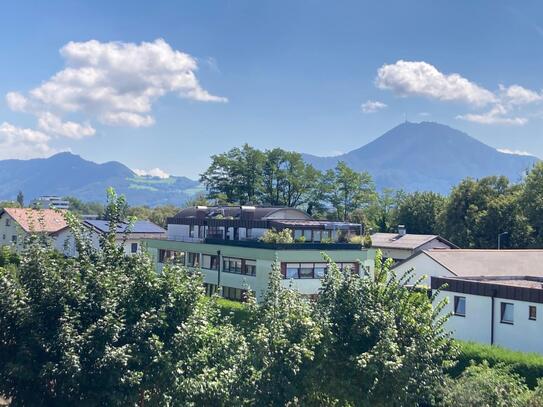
[(38, 220)]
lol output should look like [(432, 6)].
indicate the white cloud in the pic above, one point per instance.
[(16, 101), (154, 172), (372, 106), (52, 124), (518, 95), (16, 142), (115, 83), (408, 78), (514, 152), (496, 115)]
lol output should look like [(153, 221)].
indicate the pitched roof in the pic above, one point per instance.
[(407, 241), (475, 262), (140, 226), (37, 220)]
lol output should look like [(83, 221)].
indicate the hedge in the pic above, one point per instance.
[(235, 309), (527, 365)]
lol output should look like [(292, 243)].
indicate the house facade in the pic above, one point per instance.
[(224, 244), (505, 311), (131, 237), (16, 224)]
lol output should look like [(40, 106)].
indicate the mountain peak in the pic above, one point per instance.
[(427, 156)]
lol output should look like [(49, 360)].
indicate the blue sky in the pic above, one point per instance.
[(311, 76)]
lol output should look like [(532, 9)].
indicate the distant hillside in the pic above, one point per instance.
[(66, 174), (427, 157)]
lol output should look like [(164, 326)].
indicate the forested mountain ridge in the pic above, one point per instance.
[(68, 174), (427, 157)]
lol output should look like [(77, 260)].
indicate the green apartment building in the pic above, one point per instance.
[(223, 243)]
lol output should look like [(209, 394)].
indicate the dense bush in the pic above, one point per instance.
[(277, 236), (527, 365)]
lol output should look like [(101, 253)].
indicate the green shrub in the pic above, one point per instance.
[(356, 239), (300, 239), (277, 236), (527, 365), (236, 310)]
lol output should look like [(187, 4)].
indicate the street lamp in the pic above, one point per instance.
[(500, 238)]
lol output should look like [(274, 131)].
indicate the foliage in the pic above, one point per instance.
[(8, 256), (84, 208), (347, 190), (283, 337), (381, 214), (481, 385), (277, 236), (384, 342), (158, 215), (9, 204), (532, 200), (106, 329), (419, 212), (21, 199), (527, 365), (367, 241)]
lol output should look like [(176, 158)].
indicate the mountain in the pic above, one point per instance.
[(427, 157), (66, 174)]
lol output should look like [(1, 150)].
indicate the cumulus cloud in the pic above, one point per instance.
[(115, 83), (408, 78), (372, 106), (419, 78), (17, 142), (496, 115), (52, 124), (518, 95), (153, 172), (514, 152)]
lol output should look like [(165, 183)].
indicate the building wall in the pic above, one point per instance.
[(523, 335), (423, 266), (7, 232), (264, 260)]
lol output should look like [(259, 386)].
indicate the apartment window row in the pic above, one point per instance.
[(239, 266), (507, 310), (171, 256), (312, 270), (311, 235), (232, 293)]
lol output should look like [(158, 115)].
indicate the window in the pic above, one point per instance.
[(8, 222), (249, 267), (171, 256), (231, 265), (306, 271), (14, 238), (193, 260), (507, 313), (4, 237), (232, 293), (134, 248), (249, 233), (210, 262), (292, 271), (191, 231), (320, 270), (314, 270), (532, 312), (460, 306)]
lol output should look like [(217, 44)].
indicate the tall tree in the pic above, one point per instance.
[(348, 190), (236, 174), (532, 201), (21, 199), (420, 212), (384, 342)]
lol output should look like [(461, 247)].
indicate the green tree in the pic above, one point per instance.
[(482, 385), (21, 199), (384, 342), (84, 208), (348, 190), (283, 337), (106, 329), (236, 174), (420, 212), (478, 210), (532, 201)]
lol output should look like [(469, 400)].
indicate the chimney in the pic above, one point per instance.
[(401, 230)]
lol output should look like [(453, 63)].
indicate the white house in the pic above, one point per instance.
[(17, 223), (130, 236), (472, 263), (505, 310), (402, 245)]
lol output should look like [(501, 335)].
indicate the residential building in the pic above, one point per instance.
[(504, 310), (17, 223), (472, 263), (50, 202), (130, 236), (402, 245), (223, 242)]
